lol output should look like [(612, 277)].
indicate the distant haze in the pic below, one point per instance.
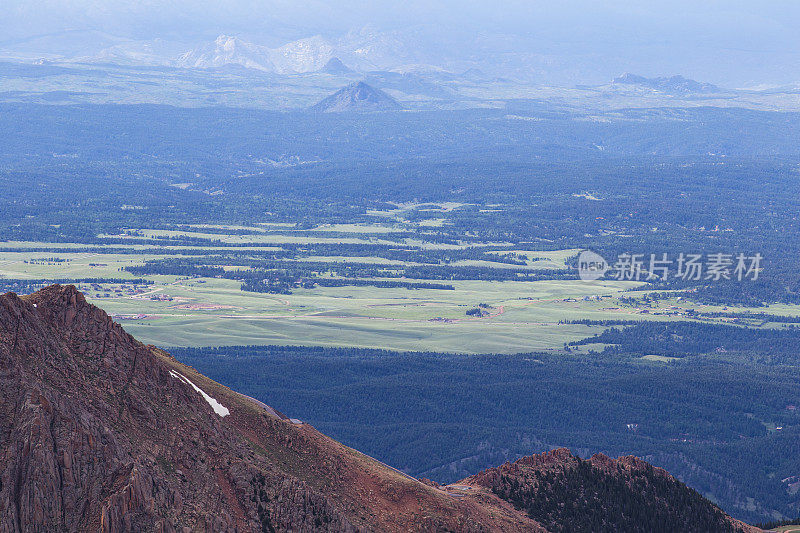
[(728, 43)]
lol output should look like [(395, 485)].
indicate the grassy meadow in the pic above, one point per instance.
[(519, 316)]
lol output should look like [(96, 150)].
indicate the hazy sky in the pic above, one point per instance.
[(732, 41), (734, 21)]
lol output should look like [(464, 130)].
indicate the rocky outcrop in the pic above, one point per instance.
[(92, 422), (566, 493)]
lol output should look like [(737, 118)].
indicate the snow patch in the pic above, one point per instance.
[(218, 408)]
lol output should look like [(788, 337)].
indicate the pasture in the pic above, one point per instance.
[(175, 310)]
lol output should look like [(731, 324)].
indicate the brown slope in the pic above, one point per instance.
[(99, 433), (566, 493)]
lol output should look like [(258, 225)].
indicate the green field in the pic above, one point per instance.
[(519, 316), (208, 312)]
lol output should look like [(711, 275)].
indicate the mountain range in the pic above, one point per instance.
[(671, 85), (304, 55), (99, 432), (743, 45), (235, 70), (363, 50)]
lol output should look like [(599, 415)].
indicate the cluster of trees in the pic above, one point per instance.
[(280, 276), (284, 286), (583, 498), (680, 339), (27, 286), (775, 524)]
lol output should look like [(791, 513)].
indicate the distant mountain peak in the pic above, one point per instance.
[(359, 97), (303, 55), (474, 74), (335, 66), (227, 50), (673, 84)]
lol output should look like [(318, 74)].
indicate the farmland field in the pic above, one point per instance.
[(197, 310)]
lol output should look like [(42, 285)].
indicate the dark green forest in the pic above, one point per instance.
[(700, 417), (683, 339), (667, 180)]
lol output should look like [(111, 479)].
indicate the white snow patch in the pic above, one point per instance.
[(218, 408)]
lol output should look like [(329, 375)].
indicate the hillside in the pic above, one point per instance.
[(99, 432), (566, 493)]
